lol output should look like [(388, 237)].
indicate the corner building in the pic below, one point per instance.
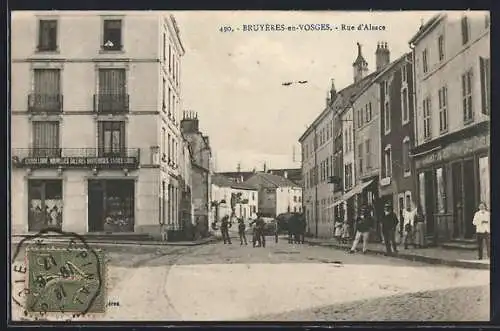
[(95, 121)]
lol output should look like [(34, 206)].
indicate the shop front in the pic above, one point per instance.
[(453, 178), (111, 205), (45, 204)]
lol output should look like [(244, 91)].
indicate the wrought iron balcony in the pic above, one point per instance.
[(111, 103), (75, 158), (49, 103)]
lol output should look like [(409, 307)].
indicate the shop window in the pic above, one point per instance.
[(45, 204)]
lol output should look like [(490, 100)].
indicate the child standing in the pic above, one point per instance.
[(338, 231)]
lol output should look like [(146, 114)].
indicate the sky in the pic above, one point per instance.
[(233, 80)]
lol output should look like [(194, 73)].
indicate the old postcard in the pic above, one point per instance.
[(250, 166)]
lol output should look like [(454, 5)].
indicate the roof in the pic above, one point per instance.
[(342, 101), (221, 181), (427, 27), (243, 186), (269, 180)]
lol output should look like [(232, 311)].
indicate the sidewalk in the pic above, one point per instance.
[(103, 243), (433, 255)]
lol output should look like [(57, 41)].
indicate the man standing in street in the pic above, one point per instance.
[(241, 231), (482, 222), (224, 228), (363, 225), (409, 231), (389, 224)]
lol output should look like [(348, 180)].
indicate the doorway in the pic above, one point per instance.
[(469, 198), (430, 201), (45, 204), (111, 205), (456, 173)]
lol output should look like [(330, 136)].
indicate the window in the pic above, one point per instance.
[(425, 64), (47, 91), (162, 144), (484, 66), (327, 167), (112, 35), (45, 204), (441, 47), (350, 139), (170, 56), (441, 192), (164, 48), (164, 96), (169, 101), (467, 96), (427, 117), (387, 118), (360, 157), (387, 162), (169, 148), (46, 139), (465, 30), (404, 74), (111, 138), (348, 176), (331, 165), (368, 154), (346, 145), (406, 156), (405, 116), (112, 90), (47, 35), (360, 117), (369, 112), (443, 109)]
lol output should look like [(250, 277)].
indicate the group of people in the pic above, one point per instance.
[(365, 223), (413, 228), (258, 224)]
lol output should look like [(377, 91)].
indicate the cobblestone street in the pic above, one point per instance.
[(285, 282), (289, 282)]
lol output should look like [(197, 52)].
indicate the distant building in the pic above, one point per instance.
[(201, 152), (228, 196), (276, 194), (295, 175), (237, 176), (451, 65)]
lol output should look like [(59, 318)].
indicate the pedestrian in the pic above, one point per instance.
[(337, 232), (419, 223), (364, 223), (346, 232), (224, 228), (241, 231), (255, 235), (409, 231), (259, 226), (482, 222), (389, 225)]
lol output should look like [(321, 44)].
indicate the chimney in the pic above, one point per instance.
[(360, 66), (382, 55), (265, 167), (189, 122), (333, 91)]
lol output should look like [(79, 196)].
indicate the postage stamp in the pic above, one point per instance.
[(63, 278)]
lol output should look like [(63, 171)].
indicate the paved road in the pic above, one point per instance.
[(285, 282)]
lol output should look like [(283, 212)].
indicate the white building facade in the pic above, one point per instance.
[(452, 120), (95, 119)]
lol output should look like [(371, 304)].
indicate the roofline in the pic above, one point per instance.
[(244, 188), (174, 30), (427, 28)]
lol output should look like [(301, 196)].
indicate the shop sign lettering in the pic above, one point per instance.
[(79, 161)]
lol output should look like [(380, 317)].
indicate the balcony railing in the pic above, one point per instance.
[(75, 158), (50, 103), (111, 103)]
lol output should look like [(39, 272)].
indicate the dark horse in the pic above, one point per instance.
[(294, 225)]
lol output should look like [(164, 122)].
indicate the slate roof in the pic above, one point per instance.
[(269, 180)]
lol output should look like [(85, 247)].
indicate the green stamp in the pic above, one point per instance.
[(70, 280)]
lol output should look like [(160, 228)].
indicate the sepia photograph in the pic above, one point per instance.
[(249, 166)]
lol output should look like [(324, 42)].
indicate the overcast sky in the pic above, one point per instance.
[(234, 80)]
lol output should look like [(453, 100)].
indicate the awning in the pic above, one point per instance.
[(356, 190)]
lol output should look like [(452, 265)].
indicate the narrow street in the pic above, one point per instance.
[(285, 282)]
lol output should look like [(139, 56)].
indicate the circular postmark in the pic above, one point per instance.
[(56, 274)]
